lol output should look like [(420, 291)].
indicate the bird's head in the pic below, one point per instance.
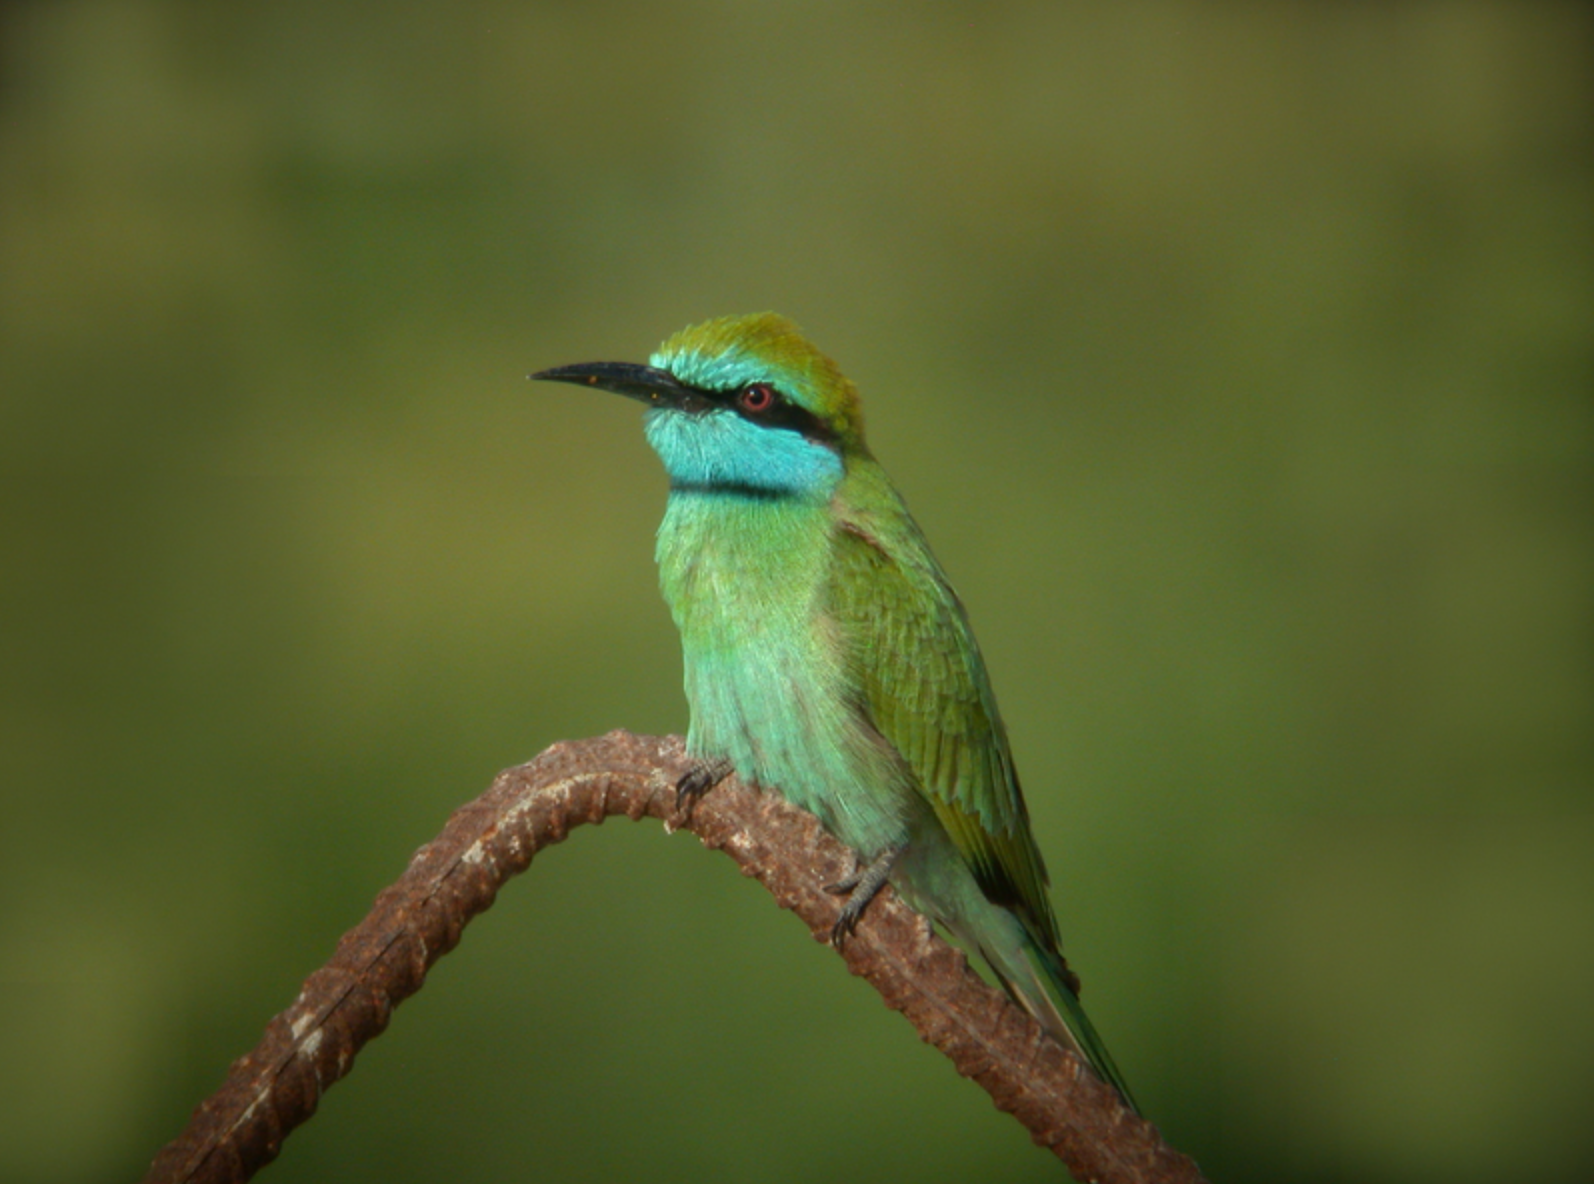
[(740, 403)]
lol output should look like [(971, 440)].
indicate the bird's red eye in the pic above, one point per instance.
[(758, 398)]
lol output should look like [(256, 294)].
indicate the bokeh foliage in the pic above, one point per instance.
[(1237, 359)]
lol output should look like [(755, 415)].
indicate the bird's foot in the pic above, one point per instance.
[(698, 780), (860, 888)]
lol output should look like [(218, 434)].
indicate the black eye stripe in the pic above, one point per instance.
[(782, 413)]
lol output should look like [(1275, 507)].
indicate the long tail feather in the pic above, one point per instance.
[(1044, 986)]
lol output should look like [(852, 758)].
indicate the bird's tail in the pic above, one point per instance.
[(1042, 983)]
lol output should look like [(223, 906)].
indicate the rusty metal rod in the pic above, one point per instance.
[(384, 959)]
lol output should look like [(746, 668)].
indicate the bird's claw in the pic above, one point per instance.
[(846, 925), (859, 888), (697, 781), (846, 884)]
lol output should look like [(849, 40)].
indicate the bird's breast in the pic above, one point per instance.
[(766, 680)]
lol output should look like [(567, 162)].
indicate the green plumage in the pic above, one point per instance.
[(913, 657), (827, 656)]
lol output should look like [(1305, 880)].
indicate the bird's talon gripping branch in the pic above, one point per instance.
[(846, 884), (863, 886), (698, 780)]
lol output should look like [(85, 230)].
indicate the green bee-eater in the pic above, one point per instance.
[(827, 656)]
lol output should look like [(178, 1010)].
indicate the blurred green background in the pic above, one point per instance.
[(1236, 358)]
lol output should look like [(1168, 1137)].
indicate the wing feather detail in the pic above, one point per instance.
[(920, 678)]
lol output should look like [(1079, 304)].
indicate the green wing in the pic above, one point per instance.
[(924, 687)]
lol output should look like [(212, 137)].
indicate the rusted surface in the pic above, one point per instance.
[(383, 960)]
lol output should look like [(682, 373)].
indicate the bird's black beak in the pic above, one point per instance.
[(656, 388)]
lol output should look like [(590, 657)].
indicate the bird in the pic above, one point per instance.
[(826, 655)]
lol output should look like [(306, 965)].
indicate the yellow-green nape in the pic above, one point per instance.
[(727, 353)]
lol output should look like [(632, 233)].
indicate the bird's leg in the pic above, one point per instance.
[(859, 889), (698, 780)]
